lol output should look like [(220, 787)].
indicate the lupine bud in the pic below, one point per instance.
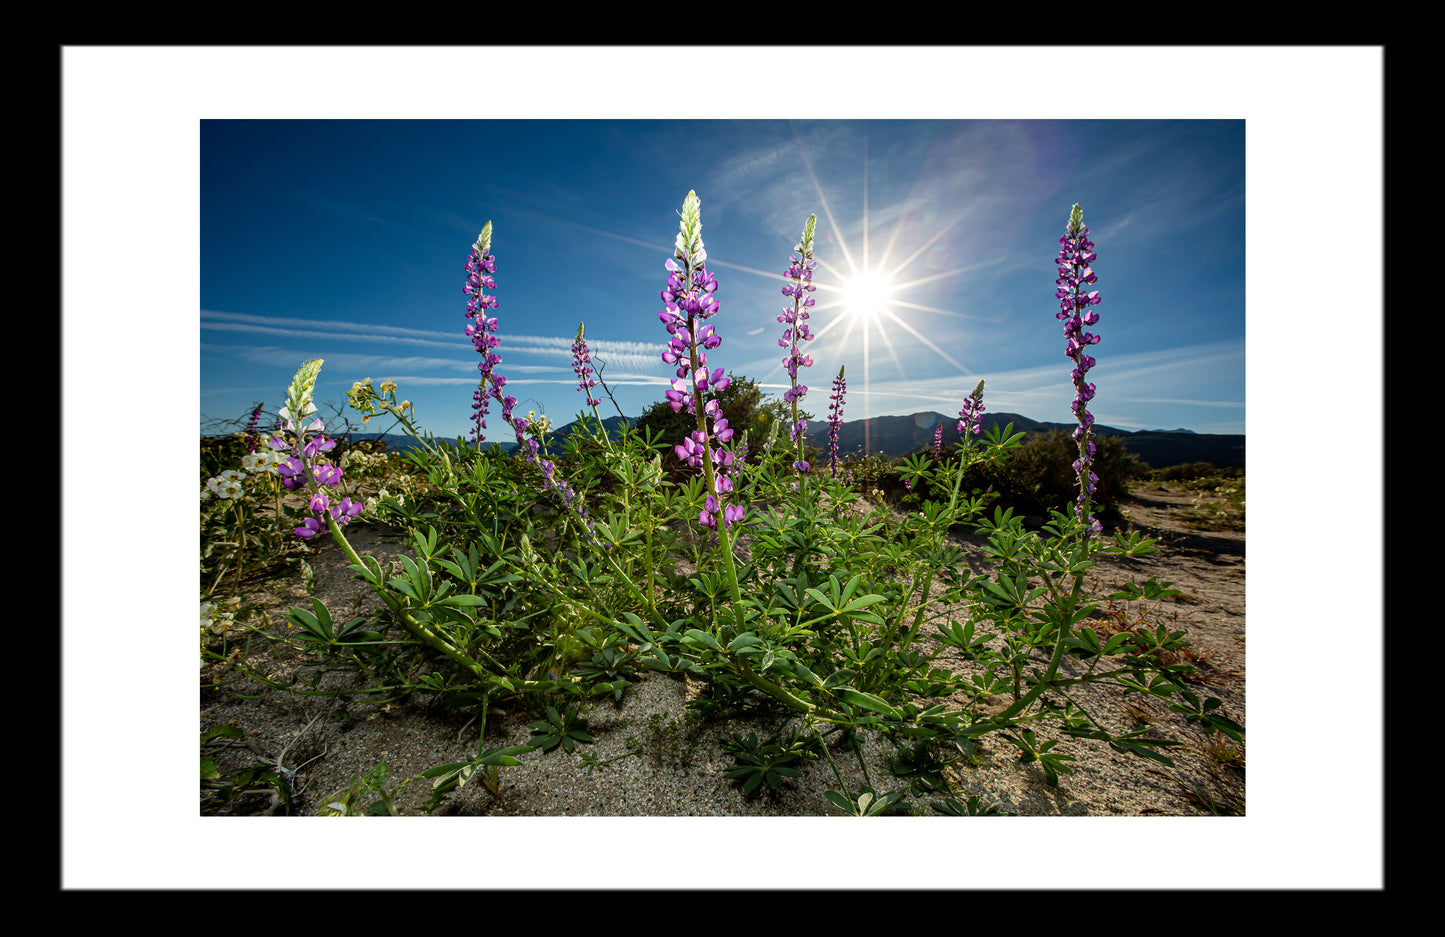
[(298, 395)]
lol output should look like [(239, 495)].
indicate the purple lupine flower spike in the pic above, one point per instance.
[(480, 267), (799, 283), (1075, 260), (835, 420), (299, 469), (253, 436), (968, 417), (938, 441), (688, 301), (582, 365)]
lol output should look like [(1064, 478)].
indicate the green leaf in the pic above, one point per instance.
[(405, 588), (225, 731), (745, 640), (462, 600), (868, 701), (447, 769), (694, 637)]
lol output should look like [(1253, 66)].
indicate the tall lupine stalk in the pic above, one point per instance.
[(688, 301), (1076, 256), (586, 378), (799, 283), (480, 267), (298, 405), (835, 420)]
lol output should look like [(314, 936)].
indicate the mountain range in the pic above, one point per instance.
[(896, 436)]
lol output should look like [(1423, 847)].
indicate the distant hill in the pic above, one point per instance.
[(506, 439), (902, 435), (896, 436)]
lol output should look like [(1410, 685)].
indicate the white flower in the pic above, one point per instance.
[(214, 620), (258, 461), (227, 484)]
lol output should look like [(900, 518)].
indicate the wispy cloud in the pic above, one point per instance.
[(625, 355), (1038, 391), (275, 356)]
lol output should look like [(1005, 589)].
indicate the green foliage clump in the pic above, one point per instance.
[(1043, 470), (1037, 478), (1193, 470)]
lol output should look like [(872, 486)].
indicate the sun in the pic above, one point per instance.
[(865, 296)]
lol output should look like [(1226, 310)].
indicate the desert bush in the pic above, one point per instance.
[(1042, 471), (1194, 470)]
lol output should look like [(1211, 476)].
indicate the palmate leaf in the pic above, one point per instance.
[(454, 776), (867, 804), (973, 807), (558, 729)]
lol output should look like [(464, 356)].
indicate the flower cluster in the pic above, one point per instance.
[(688, 301), (938, 441), (799, 277), (538, 426), (480, 267), (298, 467), (216, 619), (1076, 256), (368, 400), (582, 365), (835, 419), (226, 486), (968, 417)]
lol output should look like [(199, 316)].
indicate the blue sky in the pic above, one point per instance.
[(138, 267), (345, 240)]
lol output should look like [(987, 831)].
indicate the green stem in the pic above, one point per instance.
[(1052, 671), (776, 692), (420, 631)]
